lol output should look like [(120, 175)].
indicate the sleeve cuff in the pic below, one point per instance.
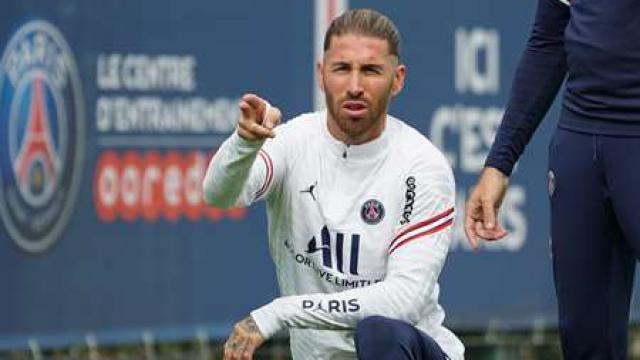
[(504, 168), (267, 320)]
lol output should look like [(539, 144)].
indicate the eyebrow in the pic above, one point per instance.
[(341, 63), (373, 66)]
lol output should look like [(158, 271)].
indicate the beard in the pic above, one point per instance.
[(360, 129)]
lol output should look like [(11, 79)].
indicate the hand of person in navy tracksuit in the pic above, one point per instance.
[(481, 210)]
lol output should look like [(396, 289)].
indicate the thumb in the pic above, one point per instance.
[(267, 120), (272, 117), (488, 214)]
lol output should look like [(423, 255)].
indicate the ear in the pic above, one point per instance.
[(320, 74), (398, 79)]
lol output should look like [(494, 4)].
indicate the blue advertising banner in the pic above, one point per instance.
[(110, 112)]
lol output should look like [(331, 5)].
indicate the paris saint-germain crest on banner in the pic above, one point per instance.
[(41, 135)]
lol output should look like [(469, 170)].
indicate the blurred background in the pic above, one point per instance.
[(111, 110)]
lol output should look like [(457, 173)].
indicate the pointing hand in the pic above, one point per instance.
[(257, 118)]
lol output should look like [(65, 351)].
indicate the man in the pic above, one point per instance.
[(360, 208), (593, 167)]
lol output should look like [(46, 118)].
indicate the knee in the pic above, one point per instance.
[(378, 337), (379, 331)]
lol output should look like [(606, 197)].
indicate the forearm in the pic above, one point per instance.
[(540, 73), (229, 170), (401, 296), (341, 310)]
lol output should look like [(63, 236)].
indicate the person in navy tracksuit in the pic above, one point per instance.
[(594, 163)]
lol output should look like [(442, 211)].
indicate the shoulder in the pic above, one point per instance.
[(426, 167), (416, 150)]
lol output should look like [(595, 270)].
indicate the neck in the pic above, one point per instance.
[(369, 135)]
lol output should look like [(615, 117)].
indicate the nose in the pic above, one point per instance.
[(355, 89)]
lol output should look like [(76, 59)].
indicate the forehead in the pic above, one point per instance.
[(356, 47)]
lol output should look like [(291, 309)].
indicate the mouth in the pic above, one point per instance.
[(355, 108)]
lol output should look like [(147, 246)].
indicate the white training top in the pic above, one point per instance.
[(354, 231)]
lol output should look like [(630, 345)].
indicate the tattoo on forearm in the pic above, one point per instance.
[(250, 325)]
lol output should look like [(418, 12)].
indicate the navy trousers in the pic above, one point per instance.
[(594, 186), (381, 338)]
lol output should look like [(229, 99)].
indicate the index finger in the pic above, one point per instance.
[(256, 102), (265, 120)]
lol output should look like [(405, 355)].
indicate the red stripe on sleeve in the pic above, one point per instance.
[(421, 224), (431, 231), (269, 176)]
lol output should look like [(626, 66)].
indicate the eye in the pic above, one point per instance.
[(340, 68), (372, 70)]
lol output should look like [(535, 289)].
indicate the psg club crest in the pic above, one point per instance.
[(41, 135), (372, 211)]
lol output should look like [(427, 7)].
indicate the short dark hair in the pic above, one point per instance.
[(365, 22)]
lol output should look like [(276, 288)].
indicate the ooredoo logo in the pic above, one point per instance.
[(41, 135), (153, 185)]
